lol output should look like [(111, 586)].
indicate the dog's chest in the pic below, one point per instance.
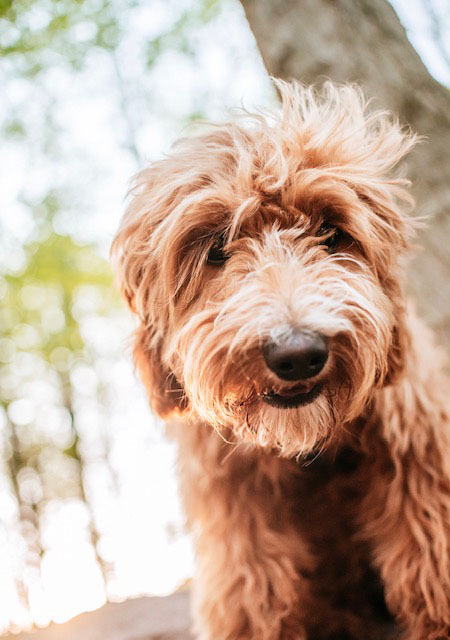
[(330, 492)]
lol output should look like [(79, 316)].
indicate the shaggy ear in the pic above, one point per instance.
[(136, 263), (397, 353), (165, 394)]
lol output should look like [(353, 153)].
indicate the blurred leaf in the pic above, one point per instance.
[(14, 128), (72, 451)]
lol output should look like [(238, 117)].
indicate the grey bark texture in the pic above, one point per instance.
[(363, 41)]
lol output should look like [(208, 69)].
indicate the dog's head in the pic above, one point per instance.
[(263, 259)]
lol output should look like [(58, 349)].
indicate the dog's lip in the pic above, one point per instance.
[(295, 396), (294, 390)]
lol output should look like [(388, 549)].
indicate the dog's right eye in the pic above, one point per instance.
[(333, 236), (217, 256)]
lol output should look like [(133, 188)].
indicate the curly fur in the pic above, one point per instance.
[(330, 520)]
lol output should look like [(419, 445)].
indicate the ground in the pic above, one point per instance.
[(139, 619)]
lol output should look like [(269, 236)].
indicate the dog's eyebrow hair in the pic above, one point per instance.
[(204, 236)]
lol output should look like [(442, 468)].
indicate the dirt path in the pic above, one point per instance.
[(139, 619)]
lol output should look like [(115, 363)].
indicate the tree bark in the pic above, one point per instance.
[(363, 41)]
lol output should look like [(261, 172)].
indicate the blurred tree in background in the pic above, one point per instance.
[(41, 309), (91, 89), (51, 280), (42, 347)]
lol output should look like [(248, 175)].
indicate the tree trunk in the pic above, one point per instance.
[(363, 41)]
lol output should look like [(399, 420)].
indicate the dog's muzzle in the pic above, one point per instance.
[(298, 357)]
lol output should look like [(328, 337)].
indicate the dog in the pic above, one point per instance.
[(265, 261)]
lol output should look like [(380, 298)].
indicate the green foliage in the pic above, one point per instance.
[(39, 317), (33, 29), (55, 269), (14, 128)]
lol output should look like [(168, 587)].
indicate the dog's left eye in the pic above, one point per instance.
[(217, 256), (333, 235)]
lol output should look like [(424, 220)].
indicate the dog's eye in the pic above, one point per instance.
[(332, 235), (217, 256)]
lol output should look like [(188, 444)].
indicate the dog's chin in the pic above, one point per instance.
[(292, 421)]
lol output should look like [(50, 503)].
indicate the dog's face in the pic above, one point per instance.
[(263, 262)]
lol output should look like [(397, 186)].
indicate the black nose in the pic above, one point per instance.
[(300, 356)]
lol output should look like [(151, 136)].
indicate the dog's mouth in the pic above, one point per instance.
[(291, 397)]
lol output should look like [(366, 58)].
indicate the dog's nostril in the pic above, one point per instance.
[(317, 360), (302, 355)]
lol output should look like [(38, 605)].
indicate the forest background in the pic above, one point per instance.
[(91, 91)]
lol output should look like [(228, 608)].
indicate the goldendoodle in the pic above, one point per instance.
[(265, 259)]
